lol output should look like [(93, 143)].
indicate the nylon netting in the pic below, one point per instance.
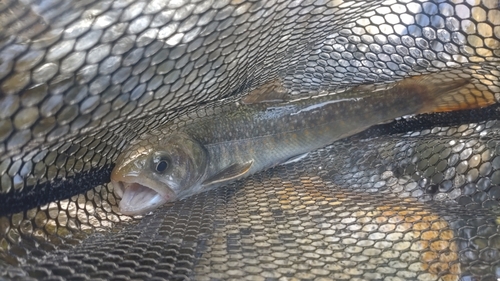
[(415, 199)]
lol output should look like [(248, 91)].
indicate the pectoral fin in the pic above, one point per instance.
[(295, 159), (229, 173)]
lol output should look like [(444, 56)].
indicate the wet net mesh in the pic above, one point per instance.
[(415, 199)]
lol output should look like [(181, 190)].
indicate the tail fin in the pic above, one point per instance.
[(440, 94)]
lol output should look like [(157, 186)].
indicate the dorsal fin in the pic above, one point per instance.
[(272, 91)]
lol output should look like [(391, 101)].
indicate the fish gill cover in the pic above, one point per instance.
[(79, 80)]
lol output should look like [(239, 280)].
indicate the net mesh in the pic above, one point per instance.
[(415, 199)]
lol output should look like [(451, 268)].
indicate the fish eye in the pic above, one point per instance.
[(162, 166), (160, 163)]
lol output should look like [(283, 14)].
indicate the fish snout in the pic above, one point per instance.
[(116, 182), (138, 199), (118, 188), (139, 193), (120, 177)]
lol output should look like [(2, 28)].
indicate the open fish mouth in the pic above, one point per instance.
[(138, 198)]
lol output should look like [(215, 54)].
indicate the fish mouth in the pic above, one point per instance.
[(139, 197)]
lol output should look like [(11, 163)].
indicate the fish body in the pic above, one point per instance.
[(247, 138)]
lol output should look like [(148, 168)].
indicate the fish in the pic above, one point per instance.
[(266, 129)]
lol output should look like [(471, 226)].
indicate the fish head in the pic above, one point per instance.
[(157, 170)]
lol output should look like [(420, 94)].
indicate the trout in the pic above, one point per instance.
[(264, 130)]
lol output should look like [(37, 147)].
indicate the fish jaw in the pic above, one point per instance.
[(139, 195)]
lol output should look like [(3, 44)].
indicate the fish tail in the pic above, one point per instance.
[(441, 94)]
